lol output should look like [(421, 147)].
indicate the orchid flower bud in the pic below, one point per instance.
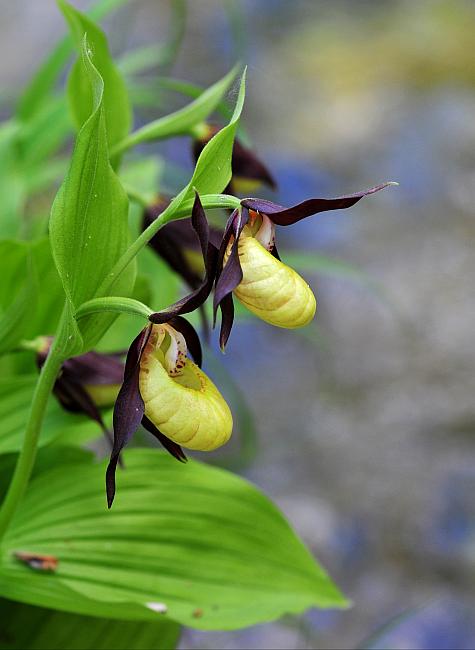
[(178, 397), (269, 288)]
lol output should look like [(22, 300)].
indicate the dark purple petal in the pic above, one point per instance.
[(196, 298), (287, 216), (231, 274), (172, 447), (227, 319), (128, 409), (191, 337), (73, 397)]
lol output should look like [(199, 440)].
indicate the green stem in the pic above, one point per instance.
[(119, 305), (27, 456)]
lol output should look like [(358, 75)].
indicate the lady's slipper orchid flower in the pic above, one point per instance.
[(249, 265), (163, 389), (87, 383), (248, 172)]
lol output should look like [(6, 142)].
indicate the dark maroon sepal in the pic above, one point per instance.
[(191, 337), (229, 275), (128, 409), (287, 216), (172, 447), (196, 298), (227, 319)]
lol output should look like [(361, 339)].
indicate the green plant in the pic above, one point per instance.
[(184, 544)]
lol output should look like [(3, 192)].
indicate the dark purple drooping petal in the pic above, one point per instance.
[(196, 298), (191, 337), (287, 216), (229, 275), (172, 447), (73, 397), (227, 319), (128, 409)]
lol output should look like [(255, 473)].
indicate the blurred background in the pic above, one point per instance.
[(362, 427)]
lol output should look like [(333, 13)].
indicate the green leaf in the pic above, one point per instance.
[(44, 80), (15, 400), (115, 101), (197, 541), (42, 320), (52, 630), (12, 183), (213, 168), (18, 291), (182, 121), (89, 219)]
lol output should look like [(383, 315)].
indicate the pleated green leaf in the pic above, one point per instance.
[(189, 542), (34, 628)]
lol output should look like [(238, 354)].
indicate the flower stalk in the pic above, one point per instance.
[(26, 459)]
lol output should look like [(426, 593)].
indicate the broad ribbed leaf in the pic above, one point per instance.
[(88, 225), (34, 628), (117, 110), (15, 400), (197, 541)]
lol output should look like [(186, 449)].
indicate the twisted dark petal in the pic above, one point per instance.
[(287, 216), (172, 447), (231, 274), (227, 319), (128, 409), (210, 254), (191, 337)]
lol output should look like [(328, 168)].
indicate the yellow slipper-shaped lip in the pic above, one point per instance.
[(187, 408), (272, 290)]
